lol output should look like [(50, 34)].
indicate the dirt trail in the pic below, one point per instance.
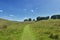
[(27, 34)]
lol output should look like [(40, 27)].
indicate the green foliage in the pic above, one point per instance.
[(38, 18), (34, 20), (52, 36), (55, 17), (42, 18), (29, 19), (25, 20)]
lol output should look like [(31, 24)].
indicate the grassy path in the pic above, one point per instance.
[(27, 34)]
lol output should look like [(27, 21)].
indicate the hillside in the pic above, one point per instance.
[(40, 30), (10, 30), (46, 29)]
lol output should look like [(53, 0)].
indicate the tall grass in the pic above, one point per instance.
[(12, 31), (43, 29)]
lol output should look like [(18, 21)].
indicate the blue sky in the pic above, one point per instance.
[(22, 9)]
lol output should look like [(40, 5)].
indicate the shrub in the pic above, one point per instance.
[(33, 19), (56, 37), (38, 18), (55, 17), (51, 36), (29, 19), (25, 20), (42, 18), (3, 26)]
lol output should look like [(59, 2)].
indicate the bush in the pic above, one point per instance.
[(33, 19), (55, 17), (25, 20), (42, 18), (3, 26), (29, 19), (38, 18), (54, 36)]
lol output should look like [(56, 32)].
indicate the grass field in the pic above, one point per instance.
[(12, 32), (46, 28), (40, 30)]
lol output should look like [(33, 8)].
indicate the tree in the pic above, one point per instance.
[(25, 19), (33, 19), (55, 17), (46, 17), (42, 18), (38, 18), (29, 19)]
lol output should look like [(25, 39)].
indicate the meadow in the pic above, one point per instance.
[(41, 30), (46, 29), (10, 30)]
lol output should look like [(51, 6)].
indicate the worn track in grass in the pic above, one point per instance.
[(27, 34)]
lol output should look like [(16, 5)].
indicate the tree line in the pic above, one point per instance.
[(43, 18)]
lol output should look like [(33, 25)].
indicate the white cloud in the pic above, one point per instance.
[(25, 17), (11, 15), (1, 10), (32, 10)]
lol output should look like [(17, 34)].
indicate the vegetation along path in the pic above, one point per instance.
[(27, 34)]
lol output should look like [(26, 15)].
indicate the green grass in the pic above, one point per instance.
[(12, 32), (43, 29), (27, 34), (40, 30)]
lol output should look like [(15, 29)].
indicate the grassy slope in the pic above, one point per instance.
[(43, 29), (13, 30)]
